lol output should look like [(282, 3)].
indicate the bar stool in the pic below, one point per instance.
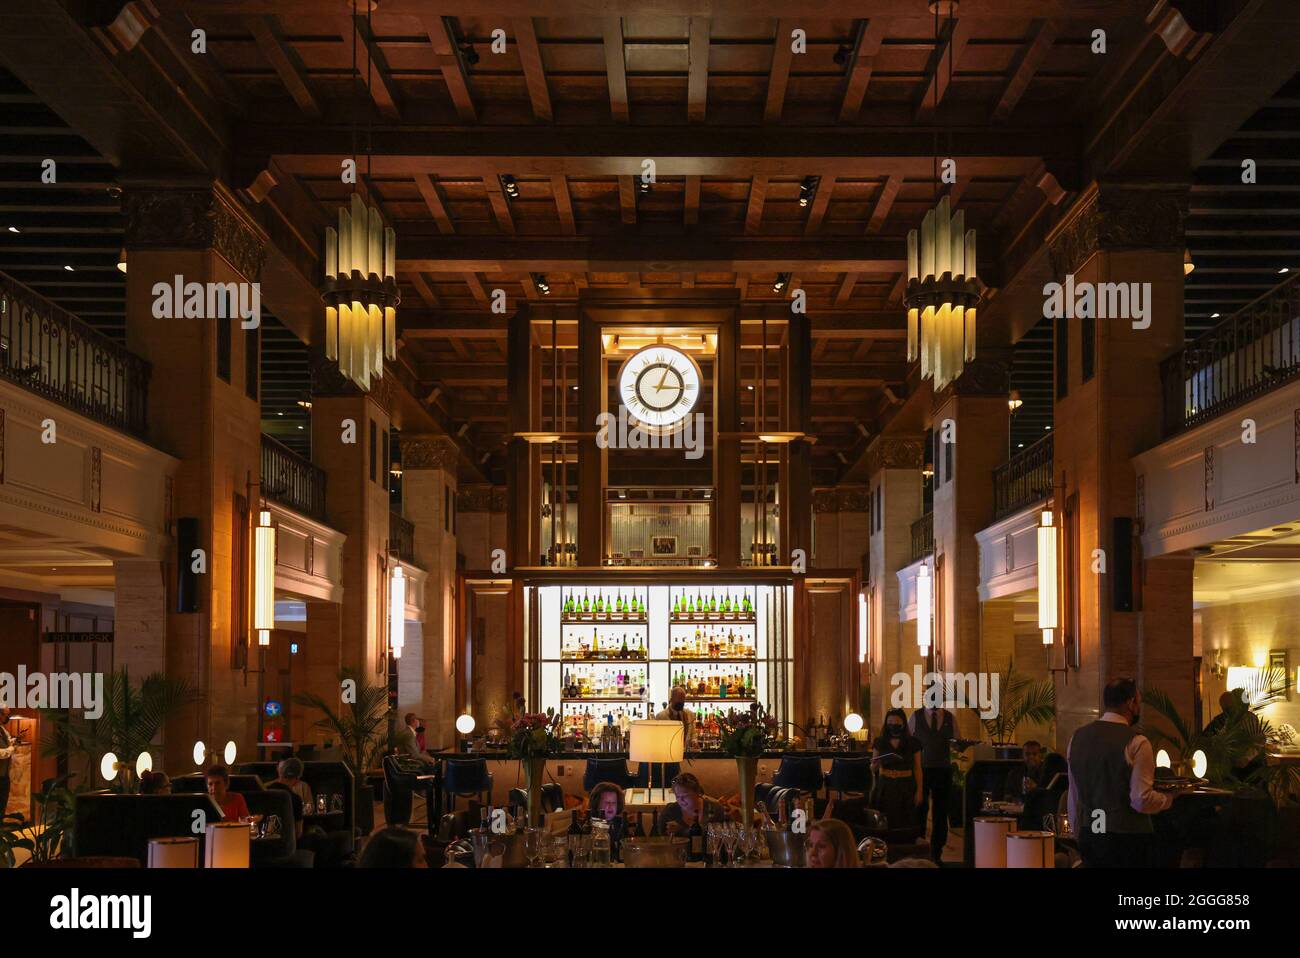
[(852, 775), (465, 777), (803, 772), (612, 770), (991, 840), (1031, 850)]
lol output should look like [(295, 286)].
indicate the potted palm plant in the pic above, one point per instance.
[(1020, 699), (361, 725)]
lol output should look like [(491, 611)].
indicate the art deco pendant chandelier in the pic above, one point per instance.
[(360, 293), (942, 294)]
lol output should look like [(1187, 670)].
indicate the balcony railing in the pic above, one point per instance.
[(291, 480), (401, 538), (1026, 478), (47, 350), (1250, 353), (923, 536)]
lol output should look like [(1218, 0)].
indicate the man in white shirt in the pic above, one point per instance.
[(1112, 783), (407, 742), (7, 750)]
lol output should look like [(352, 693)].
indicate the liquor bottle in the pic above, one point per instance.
[(677, 607), (713, 604), (696, 835), (575, 829), (586, 603), (623, 651)]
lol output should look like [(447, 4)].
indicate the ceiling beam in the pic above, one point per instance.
[(627, 200), (691, 213), (697, 80), (888, 193), (624, 254), (754, 210), (826, 9), (821, 200), (779, 77), (564, 203), (450, 62), (870, 35), (1042, 35), (375, 72), (285, 62), (845, 292), (952, 43), (616, 68), (500, 204), (433, 199), (530, 56)]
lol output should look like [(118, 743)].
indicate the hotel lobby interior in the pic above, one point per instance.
[(393, 470)]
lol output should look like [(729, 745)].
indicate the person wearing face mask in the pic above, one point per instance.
[(896, 760), (1112, 783), (675, 712)]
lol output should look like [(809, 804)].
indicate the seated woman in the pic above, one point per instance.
[(605, 802), (896, 760), (393, 847), (830, 844), (233, 806), (155, 783), (289, 779), (692, 806)]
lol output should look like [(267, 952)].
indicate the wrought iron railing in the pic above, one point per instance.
[(48, 351), (1253, 351), (923, 536), (1024, 479), (291, 480), (401, 537)]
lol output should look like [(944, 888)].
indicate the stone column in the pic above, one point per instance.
[(973, 413), (139, 616), (894, 464), (481, 524), (429, 502), (322, 658), (1126, 234), (203, 412), (840, 527)]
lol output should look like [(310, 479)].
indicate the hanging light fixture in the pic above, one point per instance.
[(862, 627), (924, 608), (264, 578), (397, 612), (360, 293), (942, 294), (1048, 615)]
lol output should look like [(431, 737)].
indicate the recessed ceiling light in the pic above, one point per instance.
[(1285, 269), (69, 269), (1020, 445), (14, 229), (300, 427), (1048, 428), (280, 413), (1214, 315)]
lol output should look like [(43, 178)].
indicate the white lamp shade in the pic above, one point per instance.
[(173, 853), (229, 753), (853, 723), (1243, 677), (144, 763), (227, 845), (397, 611), (200, 752), (863, 612), (465, 723), (991, 841), (657, 740), (924, 606), (264, 577), (1200, 764), (1031, 850), (1162, 759), (1047, 598), (108, 766)]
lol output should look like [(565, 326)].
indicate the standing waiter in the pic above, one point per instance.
[(1112, 783), (7, 750), (935, 729)]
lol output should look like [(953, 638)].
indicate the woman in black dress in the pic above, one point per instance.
[(896, 760)]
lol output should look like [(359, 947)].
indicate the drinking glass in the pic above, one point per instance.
[(1049, 823), (986, 800), (322, 803), (336, 803), (555, 850), (713, 835), (730, 835), (481, 840), (580, 847), (533, 845)]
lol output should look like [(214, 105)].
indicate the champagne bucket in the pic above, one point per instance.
[(654, 852), (508, 844), (785, 848)]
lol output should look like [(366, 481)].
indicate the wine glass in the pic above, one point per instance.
[(713, 834), (533, 845), (730, 836)]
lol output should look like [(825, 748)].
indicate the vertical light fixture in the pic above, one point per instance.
[(942, 294), (862, 627), (360, 293), (397, 612), (1048, 613), (264, 578), (924, 608)]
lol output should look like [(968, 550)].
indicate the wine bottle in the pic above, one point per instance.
[(696, 835)]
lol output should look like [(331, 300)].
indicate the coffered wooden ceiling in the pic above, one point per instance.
[(740, 129)]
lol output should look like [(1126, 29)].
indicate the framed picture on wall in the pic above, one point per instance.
[(694, 552), (1280, 660), (663, 545), (636, 553)]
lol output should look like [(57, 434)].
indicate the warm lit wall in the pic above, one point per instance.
[(1243, 633)]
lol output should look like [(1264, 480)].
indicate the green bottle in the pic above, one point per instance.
[(586, 603), (713, 603)]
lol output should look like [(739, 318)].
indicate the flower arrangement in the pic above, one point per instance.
[(747, 734), (535, 735)]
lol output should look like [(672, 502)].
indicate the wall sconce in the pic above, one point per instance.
[(1048, 613), (201, 754), (862, 627), (397, 612), (264, 578), (924, 608)]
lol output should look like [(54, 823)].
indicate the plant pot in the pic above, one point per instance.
[(365, 810), (747, 778), (534, 775)]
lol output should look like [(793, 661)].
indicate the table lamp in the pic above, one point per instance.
[(173, 853), (227, 845), (657, 741)]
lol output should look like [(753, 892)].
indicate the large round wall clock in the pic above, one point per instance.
[(659, 385)]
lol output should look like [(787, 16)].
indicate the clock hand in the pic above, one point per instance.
[(663, 379)]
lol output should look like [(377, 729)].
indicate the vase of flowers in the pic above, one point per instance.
[(534, 737), (745, 736)]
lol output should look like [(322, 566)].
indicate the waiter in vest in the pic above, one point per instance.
[(1112, 783), (935, 729)]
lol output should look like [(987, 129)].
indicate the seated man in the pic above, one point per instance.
[(233, 806), (408, 742), (289, 779), (331, 848)]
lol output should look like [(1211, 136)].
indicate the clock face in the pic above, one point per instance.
[(659, 385)]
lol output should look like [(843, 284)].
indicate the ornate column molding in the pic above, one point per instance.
[(984, 376), (196, 216), (895, 452), (327, 381), (481, 498), (842, 499), (429, 452), (1119, 216)]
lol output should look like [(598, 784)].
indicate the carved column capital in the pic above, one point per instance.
[(1119, 216), (480, 497), (429, 452), (895, 452), (199, 216)]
